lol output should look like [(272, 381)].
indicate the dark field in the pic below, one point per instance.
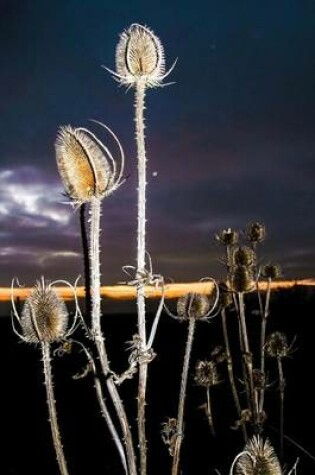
[(26, 443)]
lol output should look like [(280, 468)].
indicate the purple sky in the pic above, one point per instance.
[(232, 141)]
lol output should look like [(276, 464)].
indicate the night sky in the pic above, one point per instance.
[(232, 141)]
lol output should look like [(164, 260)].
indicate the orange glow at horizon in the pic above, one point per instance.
[(125, 292)]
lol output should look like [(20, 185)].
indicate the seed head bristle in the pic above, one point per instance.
[(243, 256), (44, 316), (140, 54), (255, 232), (271, 271), (193, 305), (259, 458), (241, 279), (227, 237), (206, 374), (277, 345)]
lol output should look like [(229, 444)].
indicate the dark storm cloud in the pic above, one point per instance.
[(231, 141)]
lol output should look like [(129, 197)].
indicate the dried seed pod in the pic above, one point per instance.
[(206, 374), (255, 232), (227, 237), (259, 458), (140, 54), (193, 305), (44, 315), (271, 271), (277, 345), (83, 165), (241, 279), (244, 256)]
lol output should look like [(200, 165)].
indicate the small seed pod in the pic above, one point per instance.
[(206, 374), (44, 316), (244, 256), (241, 279), (271, 271), (277, 345), (193, 305), (139, 54), (259, 458), (255, 232), (227, 237)]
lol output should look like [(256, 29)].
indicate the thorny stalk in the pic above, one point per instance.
[(209, 412), (264, 318), (52, 409), (86, 261), (281, 395), (182, 396)]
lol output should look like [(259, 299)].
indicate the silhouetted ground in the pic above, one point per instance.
[(27, 447)]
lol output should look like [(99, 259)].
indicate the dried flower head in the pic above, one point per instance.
[(255, 232), (206, 374), (258, 458), (193, 305), (227, 237), (277, 345), (44, 315), (86, 166), (271, 271), (241, 279), (139, 55), (244, 256)]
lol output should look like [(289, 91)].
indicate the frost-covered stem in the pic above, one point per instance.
[(97, 332), (52, 410), (209, 412), (263, 341), (86, 261), (230, 369), (182, 396), (143, 369), (281, 395)]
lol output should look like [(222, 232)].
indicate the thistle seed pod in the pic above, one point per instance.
[(255, 232), (206, 374), (86, 167), (227, 237), (244, 256), (259, 458), (277, 345), (271, 271), (44, 316), (241, 279), (140, 55), (193, 305)]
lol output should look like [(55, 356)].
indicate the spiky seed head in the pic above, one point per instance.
[(206, 374), (193, 305), (259, 458), (271, 271), (277, 345), (243, 256), (255, 232), (83, 165), (241, 279), (140, 55), (227, 237), (44, 315)]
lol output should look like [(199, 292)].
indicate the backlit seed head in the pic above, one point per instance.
[(243, 256), (241, 279), (140, 55), (255, 232), (83, 165), (271, 271), (206, 374), (227, 237), (44, 316), (192, 305), (259, 458), (277, 345)]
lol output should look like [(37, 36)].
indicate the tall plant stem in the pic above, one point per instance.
[(52, 410), (141, 247), (209, 412), (98, 337), (182, 396), (281, 394), (263, 342), (86, 261), (248, 359), (230, 369)]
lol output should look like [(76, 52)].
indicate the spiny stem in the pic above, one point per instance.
[(97, 333), (281, 395), (86, 261), (182, 396), (143, 369), (52, 410), (229, 361), (209, 412), (263, 342)]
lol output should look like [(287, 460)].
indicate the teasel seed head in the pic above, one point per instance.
[(259, 458), (86, 166), (271, 271), (139, 55), (193, 305), (244, 256), (241, 279), (44, 315), (206, 374), (255, 232), (227, 237), (277, 345)]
